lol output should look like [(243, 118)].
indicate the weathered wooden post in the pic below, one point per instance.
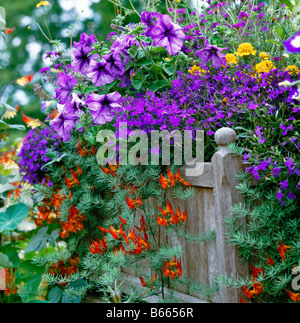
[(225, 167)]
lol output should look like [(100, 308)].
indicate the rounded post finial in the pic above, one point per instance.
[(225, 136)]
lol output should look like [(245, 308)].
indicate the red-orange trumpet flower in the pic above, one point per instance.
[(270, 261), (144, 283), (98, 246), (282, 249), (173, 268), (257, 288), (134, 203), (170, 182), (111, 170), (294, 297), (256, 272), (174, 218), (70, 182)]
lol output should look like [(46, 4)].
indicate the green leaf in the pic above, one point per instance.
[(4, 125), (58, 159), (157, 85), (288, 4), (137, 84), (169, 69), (4, 261), (55, 295), (39, 241), (70, 299), (280, 32), (145, 61), (13, 216), (29, 277)]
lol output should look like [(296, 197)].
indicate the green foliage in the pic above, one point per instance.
[(13, 216)]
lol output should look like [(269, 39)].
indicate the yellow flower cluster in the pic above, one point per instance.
[(245, 49), (231, 59), (197, 70), (264, 66), (42, 4), (264, 56), (292, 69)]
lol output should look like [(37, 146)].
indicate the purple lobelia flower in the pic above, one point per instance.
[(114, 65), (167, 34), (292, 44), (65, 122), (103, 106), (99, 74), (82, 59), (66, 85), (211, 52)]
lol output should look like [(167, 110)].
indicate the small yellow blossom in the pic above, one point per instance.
[(197, 70), (245, 49), (231, 59), (43, 4), (264, 56), (167, 59), (292, 69), (264, 66)]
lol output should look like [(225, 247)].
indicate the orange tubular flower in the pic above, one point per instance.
[(178, 176), (282, 249), (149, 284), (57, 199), (256, 272), (144, 226), (257, 289), (175, 218), (82, 151), (270, 261), (134, 203), (294, 297), (74, 223), (98, 247), (173, 268), (111, 170), (70, 182), (123, 220), (165, 183)]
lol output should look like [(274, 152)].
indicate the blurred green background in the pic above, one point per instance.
[(24, 50)]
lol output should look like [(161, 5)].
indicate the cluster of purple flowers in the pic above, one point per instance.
[(154, 112), (33, 153)]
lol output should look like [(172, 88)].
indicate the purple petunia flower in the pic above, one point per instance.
[(292, 44), (147, 18), (211, 52), (99, 74), (86, 40), (114, 65), (83, 59), (122, 44), (65, 122), (167, 34), (103, 106), (66, 85)]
